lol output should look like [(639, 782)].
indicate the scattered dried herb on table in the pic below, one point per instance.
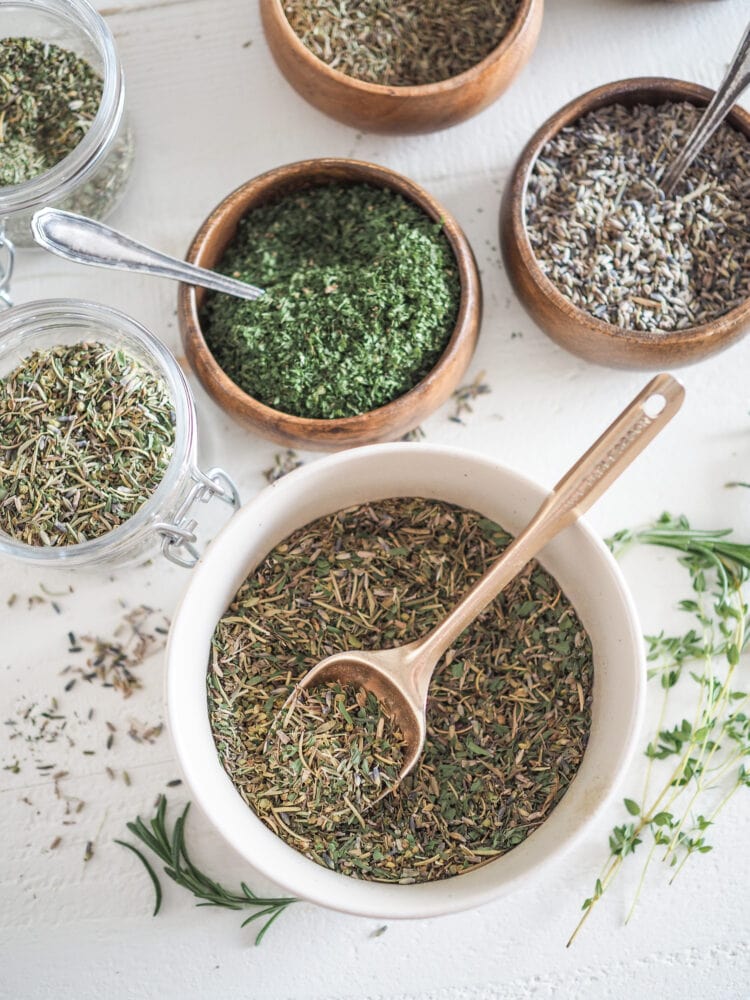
[(606, 236), (284, 462), (509, 707), (406, 43), (49, 97), (86, 435), (362, 294)]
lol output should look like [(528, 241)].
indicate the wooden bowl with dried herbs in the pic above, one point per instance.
[(371, 308), (532, 715), (605, 264), (400, 67)]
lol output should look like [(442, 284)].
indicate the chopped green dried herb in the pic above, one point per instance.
[(401, 42), (49, 97), (509, 707), (86, 435), (362, 295)]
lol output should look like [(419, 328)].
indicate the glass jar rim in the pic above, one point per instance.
[(81, 161), (32, 317)]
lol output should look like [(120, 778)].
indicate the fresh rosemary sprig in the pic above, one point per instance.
[(170, 848), (704, 755)]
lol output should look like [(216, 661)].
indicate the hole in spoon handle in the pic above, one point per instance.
[(619, 445)]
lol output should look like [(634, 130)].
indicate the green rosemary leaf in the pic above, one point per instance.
[(258, 915), (171, 849), (138, 829), (149, 869), (259, 937)]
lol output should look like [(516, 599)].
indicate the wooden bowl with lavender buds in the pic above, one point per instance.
[(393, 416), (401, 83), (625, 277)]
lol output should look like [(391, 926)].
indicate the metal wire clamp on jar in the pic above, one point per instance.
[(91, 179), (166, 520)]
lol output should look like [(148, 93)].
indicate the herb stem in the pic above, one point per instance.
[(171, 849)]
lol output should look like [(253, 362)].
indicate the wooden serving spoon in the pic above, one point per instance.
[(400, 677)]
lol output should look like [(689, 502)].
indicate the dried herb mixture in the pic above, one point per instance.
[(49, 97), (605, 234), (362, 295), (344, 752), (509, 707), (86, 435), (406, 43)]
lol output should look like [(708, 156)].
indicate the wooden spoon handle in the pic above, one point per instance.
[(606, 459), (612, 453)]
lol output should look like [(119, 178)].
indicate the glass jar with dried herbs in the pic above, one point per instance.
[(97, 441), (65, 139)]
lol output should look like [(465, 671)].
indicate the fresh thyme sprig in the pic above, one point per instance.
[(704, 754), (170, 848)]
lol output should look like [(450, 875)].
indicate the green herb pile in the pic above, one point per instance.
[(400, 43), (362, 294), (509, 709), (86, 435), (48, 99)]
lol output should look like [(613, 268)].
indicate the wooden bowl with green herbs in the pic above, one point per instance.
[(409, 70), (371, 313), (636, 280)]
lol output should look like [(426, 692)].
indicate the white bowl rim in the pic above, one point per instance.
[(238, 824)]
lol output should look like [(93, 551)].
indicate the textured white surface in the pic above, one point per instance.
[(210, 112)]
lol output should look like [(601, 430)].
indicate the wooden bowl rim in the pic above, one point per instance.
[(317, 428), (512, 36), (632, 90)]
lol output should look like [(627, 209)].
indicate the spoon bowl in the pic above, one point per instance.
[(390, 675)]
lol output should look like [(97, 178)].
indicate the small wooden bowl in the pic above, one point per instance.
[(571, 327), (376, 108), (386, 423)]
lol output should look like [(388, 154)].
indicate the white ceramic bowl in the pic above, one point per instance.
[(580, 562)]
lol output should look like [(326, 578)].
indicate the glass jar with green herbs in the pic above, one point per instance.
[(98, 441), (65, 139)]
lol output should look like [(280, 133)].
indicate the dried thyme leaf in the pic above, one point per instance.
[(86, 434), (362, 294), (48, 99), (406, 43), (330, 756), (509, 707)]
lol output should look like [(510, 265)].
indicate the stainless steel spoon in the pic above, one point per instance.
[(400, 677), (734, 83), (85, 241)]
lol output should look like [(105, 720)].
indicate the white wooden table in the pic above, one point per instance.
[(211, 111)]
